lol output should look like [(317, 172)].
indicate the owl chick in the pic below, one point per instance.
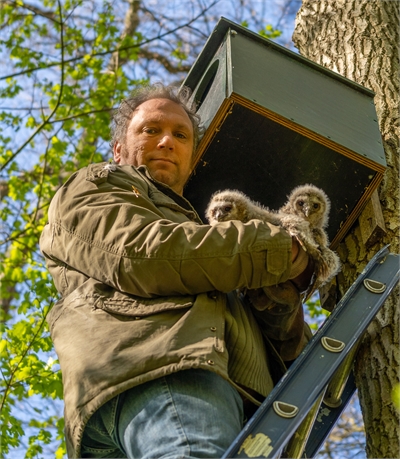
[(313, 205), (310, 203), (304, 216), (234, 205)]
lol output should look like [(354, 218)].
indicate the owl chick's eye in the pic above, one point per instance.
[(301, 203), (227, 208), (316, 206)]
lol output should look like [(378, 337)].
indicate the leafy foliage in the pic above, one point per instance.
[(270, 32), (69, 63), (315, 314), (396, 396)]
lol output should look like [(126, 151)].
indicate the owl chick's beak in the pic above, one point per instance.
[(306, 210), (218, 214)]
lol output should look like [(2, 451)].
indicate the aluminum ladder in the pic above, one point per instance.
[(297, 416)]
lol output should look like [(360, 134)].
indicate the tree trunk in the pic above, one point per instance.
[(359, 39)]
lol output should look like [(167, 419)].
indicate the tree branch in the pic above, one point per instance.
[(130, 25), (105, 53), (23, 355), (166, 63), (14, 155), (46, 14)]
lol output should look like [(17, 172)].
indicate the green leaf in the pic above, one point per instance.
[(270, 32)]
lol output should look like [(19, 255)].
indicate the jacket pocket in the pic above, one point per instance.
[(142, 307), (117, 302)]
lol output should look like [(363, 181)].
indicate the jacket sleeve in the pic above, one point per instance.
[(116, 231)]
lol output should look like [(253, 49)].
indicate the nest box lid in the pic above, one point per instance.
[(275, 120)]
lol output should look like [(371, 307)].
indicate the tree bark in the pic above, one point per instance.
[(359, 39)]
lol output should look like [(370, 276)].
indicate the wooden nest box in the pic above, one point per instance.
[(275, 120)]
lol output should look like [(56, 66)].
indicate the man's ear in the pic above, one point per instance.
[(117, 148)]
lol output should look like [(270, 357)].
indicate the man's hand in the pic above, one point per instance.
[(295, 248), (305, 267)]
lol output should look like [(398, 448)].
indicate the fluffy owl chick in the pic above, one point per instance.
[(234, 205), (313, 205), (310, 203)]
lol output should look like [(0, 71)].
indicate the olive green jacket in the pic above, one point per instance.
[(143, 288)]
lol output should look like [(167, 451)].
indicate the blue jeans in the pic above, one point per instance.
[(189, 414)]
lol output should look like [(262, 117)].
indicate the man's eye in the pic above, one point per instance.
[(149, 130), (181, 135)]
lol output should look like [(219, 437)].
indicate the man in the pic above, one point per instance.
[(158, 358)]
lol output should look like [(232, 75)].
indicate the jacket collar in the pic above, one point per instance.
[(168, 191)]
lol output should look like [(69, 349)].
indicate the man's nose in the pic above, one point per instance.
[(166, 141)]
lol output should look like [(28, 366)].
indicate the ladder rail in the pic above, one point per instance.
[(326, 419)]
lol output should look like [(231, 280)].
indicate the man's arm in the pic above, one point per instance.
[(278, 309), (121, 237)]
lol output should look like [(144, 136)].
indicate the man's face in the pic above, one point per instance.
[(159, 136)]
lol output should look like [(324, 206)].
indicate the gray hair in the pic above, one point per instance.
[(121, 116)]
